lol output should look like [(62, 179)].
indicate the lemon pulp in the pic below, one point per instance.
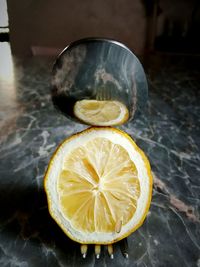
[(98, 186), (101, 113)]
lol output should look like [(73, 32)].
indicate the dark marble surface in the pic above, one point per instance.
[(169, 133)]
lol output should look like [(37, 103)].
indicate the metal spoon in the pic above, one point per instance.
[(98, 68)]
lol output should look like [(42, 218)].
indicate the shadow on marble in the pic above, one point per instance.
[(24, 216)]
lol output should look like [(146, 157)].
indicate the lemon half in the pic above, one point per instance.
[(101, 113), (99, 186)]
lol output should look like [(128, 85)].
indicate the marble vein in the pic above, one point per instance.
[(169, 133)]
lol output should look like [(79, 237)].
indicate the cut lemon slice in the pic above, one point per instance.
[(98, 186), (101, 113)]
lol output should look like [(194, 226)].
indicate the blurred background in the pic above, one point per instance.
[(146, 26)]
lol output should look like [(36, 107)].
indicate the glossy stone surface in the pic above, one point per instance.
[(169, 134)]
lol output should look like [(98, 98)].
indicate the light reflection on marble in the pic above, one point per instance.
[(8, 98), (168, 133)]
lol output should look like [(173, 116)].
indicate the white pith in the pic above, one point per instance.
[(54, 171)]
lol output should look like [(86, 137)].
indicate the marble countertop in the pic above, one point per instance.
[(168, 132)]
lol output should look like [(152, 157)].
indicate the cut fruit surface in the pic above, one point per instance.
[(101, 113), (98, 186)]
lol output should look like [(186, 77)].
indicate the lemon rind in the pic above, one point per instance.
[(148, 168)]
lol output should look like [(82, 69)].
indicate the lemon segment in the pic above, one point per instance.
[(101, 113), (98, 179)]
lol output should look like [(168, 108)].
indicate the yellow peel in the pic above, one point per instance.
[(132, 146)]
